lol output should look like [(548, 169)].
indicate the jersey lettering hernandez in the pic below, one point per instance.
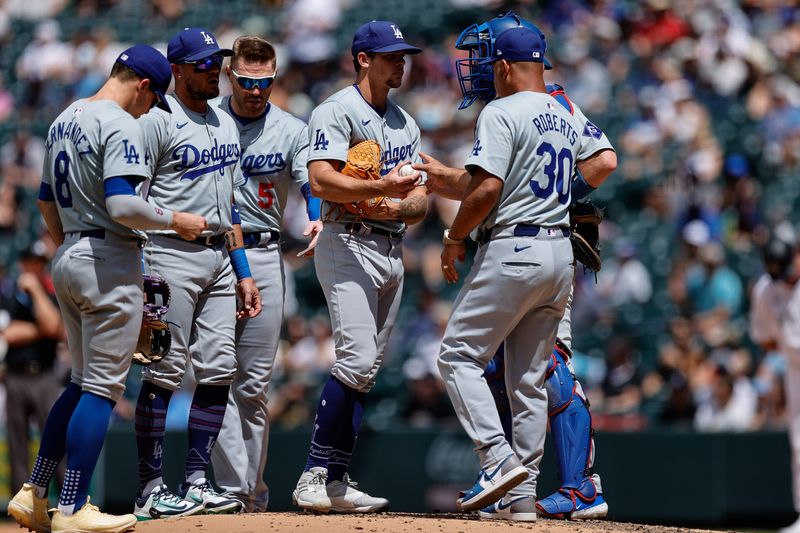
[(88, 143), (532, 143), (346, 119), (194, 159), (274, 153)]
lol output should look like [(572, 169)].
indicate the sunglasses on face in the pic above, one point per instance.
[(251, 83), (209, 63)]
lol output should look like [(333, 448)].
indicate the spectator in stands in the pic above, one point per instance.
[(33, 379), (729, 405)]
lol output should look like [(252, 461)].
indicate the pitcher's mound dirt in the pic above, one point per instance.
[(382, 523)]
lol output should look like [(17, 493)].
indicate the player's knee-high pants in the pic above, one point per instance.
[(240, 456), (362, 277), (98, 285), (518, 295), (202, 311)]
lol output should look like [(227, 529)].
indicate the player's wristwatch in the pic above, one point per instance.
[(447, 240)]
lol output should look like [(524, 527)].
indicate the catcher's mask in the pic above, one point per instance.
[(476, 80)]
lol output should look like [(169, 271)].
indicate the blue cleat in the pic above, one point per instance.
[(516, 509), (491, 486), (583, 503)]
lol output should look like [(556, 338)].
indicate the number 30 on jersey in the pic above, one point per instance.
[(558, 172)]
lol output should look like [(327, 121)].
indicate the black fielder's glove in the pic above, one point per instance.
[(155, 338), (585, 218)]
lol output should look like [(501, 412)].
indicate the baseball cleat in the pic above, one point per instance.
[(202, 492), (311, 493), (492, 485), (29, 510), (163, 503), (583, 503), (89, 519), (347, 498), (793, 528), (517, 509)]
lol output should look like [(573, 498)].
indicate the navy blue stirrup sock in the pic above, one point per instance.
[(205, 421), (85, 437), (342, 451), (334, 412), (151, 425), (54, 439)]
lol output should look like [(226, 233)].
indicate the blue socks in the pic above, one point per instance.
[(205, 421), (54, 439), (151, 424), (339, 461), (334, 411), (85, 436)]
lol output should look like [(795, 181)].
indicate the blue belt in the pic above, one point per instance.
[(252, 239), (525, 230)]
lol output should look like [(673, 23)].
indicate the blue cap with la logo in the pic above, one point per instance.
[(381, 37), (194, 44), (150, 64)]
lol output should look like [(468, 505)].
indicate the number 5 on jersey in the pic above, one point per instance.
[(265, 198)]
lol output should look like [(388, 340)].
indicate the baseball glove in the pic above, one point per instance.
[(585, 218), (364, 162), (155, 338)]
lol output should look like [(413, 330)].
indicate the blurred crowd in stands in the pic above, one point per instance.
[(701, 99)]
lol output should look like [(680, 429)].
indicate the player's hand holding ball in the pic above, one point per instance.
[(189, 226), (397, 185)]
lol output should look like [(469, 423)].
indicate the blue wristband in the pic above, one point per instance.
[(240, 264), (313, 205), (580, 189)]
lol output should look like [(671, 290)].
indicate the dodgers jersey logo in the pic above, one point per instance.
[(393, 155), (263, 164), (590, 130), (189, 157)]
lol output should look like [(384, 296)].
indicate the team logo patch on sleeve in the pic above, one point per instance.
[(592, 131)]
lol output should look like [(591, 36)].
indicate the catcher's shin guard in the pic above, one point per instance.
[(580, 495), (570, 421), (494, 374)]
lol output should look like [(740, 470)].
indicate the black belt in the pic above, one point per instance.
[(93, 233), (211, 240), (99, 234), (525, 230), (363, 229), (252, 239)]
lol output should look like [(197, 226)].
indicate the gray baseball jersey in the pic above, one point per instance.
[(88, 143), (346, 119), (531, 142), (361, 274), (274, 154), (195, 160)]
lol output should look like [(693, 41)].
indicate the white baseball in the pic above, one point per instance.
[(406, 170)]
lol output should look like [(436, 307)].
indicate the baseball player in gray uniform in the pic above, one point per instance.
[(775, 325), (274, 154), (359, 260), (195, 156), (94, 160), (521, 166), (580, 495)]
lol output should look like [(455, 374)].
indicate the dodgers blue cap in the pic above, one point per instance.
[(518, 44), (194, 44), (382, 37), (151, 64)]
